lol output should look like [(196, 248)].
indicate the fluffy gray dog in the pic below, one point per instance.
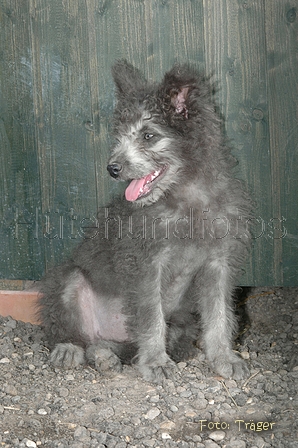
[(162, 262)]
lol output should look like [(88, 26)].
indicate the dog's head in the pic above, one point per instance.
[(152, 124)]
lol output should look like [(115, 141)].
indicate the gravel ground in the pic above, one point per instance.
[(48, 407)]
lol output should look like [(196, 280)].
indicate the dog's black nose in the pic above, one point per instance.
[(114, 169)]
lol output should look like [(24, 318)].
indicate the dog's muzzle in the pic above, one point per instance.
[(114, 169)]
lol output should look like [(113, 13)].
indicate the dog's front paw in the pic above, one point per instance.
[(231, 367), (67, 355), (103, 359), (156, 372)]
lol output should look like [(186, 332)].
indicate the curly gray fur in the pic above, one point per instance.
[(164, 261)]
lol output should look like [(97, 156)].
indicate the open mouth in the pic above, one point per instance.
[(138, 188)]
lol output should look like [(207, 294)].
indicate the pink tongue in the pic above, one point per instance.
[(136, 187)]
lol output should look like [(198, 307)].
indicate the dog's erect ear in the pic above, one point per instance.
[(127, 78), (176, 88), (178, 100)]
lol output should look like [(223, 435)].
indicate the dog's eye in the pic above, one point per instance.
[(147, 136)]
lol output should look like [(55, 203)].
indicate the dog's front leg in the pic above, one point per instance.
[(152, 359), (218, 320)]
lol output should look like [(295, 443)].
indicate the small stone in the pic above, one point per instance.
[(11, 324), (152, 414), (63, 392), (154, 399), (168, 425), (186, 394), (213, 389), (146, 442), (31, 367), (211, 444), (81, 433), (181, 389), (42, 412), (174, 408), (181, 365), (201, 403), (165, 436), (4, 360), (11, 390), (69, 377), (244, 355), (231, 384), (217, 435), (135, 421), (30, 443), (236, 444), (240, 399)]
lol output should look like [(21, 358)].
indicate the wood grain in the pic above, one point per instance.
[(57, 99)]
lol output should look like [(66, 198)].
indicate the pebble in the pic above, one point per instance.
[(210, 444), (186, 394), (146, 442), (236, 444), (81, 433), (4, 361), (30, 443), (63, 392), (11, 390), (69, 377), (251, 411), (165, 436), (11, 324), (152, 414), (169, 425), (217, 435), (42, 412), (181, 365)]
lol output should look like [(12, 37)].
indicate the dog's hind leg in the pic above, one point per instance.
[(77, 318), (218, 320)]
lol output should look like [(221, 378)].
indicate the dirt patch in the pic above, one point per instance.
[(48, 407)]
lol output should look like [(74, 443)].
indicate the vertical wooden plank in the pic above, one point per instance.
[(235, 48), (66, 117), (282, 51), (177, 34), (21, 250)]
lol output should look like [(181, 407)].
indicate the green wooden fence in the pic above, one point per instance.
[(57, 100)]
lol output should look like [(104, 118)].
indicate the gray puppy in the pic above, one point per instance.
[(164, 259)]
